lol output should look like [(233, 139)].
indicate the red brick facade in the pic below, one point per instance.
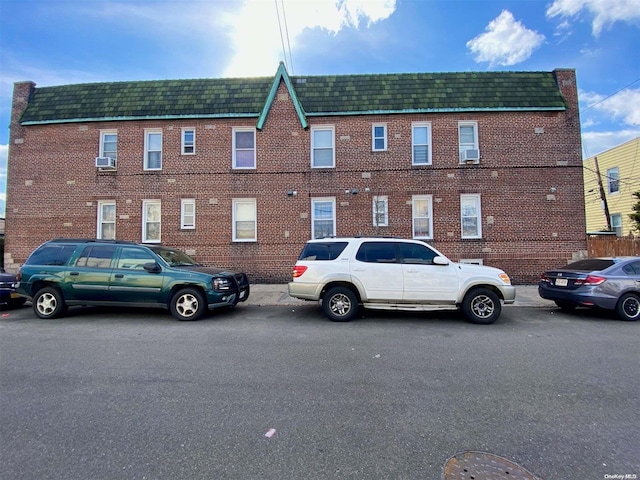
[(529, 178)]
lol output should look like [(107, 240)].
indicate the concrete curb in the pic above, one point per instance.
[(277, 294)]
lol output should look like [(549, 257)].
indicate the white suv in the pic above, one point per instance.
[(395, 274)]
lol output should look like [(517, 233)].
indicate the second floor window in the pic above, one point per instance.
[(379, 137), (188, 141), (613, 180), (421, 144), (468, 142), (153, 150), (244, 148), (322, 147), (109, 144)]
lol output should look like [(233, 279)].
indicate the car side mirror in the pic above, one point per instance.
[(152, 267), (440, 261)]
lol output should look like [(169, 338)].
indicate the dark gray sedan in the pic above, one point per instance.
[(608, 283)]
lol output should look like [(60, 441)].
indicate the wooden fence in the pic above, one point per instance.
[(612, 246)]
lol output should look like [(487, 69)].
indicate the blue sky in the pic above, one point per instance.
[(58, 42)]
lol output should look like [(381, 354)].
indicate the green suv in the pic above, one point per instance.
[(66, 272)]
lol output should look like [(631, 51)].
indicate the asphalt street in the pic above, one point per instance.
[(279, 392)]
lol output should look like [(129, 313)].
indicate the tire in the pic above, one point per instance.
[(481, 306), (48, 303), (565, 306), (340, 304), (187, 304), (628, 307)]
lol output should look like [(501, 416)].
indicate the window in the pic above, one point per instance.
[(616, 223), (380, 211), (323, 217), (133, 258), (377, 252), (188, 213), (323, 147), (613, 179), (322, 251), (416, 254), (153, 150), (379, 137), (244, 148), (151, 216), (421, 142), (422, 216), (470, 216), (188, 141), (109, 144), (244, 220), (468, 141), (106, 220), (96, 257)]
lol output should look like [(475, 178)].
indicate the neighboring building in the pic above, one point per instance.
[(485, 166), (619, 170)]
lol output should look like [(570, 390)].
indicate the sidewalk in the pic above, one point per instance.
[(276, 294)]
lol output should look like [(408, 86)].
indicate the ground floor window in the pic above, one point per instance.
[(323, 217), (106, 220), (245, 220), (422, 216), (151, 221)]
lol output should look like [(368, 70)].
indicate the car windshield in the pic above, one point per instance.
[(174, 257), (590, 264)]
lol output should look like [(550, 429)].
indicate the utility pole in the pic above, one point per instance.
[(603, 196)]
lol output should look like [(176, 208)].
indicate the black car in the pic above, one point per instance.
[(608, 283), (8, 296)]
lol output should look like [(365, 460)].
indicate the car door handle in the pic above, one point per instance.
[(119, 275), (74, 274)]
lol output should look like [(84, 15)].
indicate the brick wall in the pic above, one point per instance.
[(529, 179)]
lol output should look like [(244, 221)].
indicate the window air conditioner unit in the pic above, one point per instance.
[(106, 163), (470, 156)]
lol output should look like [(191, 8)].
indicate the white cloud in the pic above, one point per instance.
[(505, 42), (620, 106), (257, 39), (594, 143), (605, 12)]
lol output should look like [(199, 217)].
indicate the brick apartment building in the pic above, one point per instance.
[(240, 173)]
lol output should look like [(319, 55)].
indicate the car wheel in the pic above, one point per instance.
[(628, 307), (481, 306), (187, 304), (340, 304), (566, 306), (48, 303)]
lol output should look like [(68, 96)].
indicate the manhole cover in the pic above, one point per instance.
[(484, 466)]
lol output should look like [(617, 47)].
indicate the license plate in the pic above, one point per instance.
[(561, 282)]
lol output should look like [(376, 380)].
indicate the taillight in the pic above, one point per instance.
[(590, 280), (298, 270), (544, 278)]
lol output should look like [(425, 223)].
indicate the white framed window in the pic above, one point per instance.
[(421, 143), (613, 180), (245, 220), (422, 216), (323, 217), (470, 217), (380, 211), (468, 141), (106, 220), (188, 213), (188, 141), (153, 149), (108, 143), (323, 152), (379, 137), (151, 221), (616, 223), (244, 147)]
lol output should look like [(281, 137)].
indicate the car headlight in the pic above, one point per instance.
[(505, 278), (222, 284)]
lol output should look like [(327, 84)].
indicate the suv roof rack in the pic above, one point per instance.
[(90, 240)]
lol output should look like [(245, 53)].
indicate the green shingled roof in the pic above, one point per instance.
[(316, 95)]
